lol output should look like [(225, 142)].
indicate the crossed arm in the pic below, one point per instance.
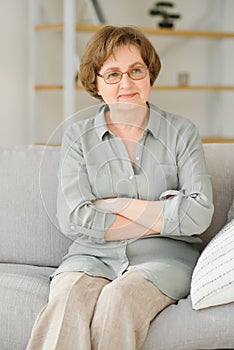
[(134, 217), (188, 214)]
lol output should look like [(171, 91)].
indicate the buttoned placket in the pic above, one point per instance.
[(136, 167), (135, 171)]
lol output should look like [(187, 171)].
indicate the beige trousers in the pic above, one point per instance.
[(85, 312)]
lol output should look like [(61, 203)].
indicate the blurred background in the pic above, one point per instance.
[(41, 45)]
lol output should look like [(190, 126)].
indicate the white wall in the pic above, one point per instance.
[(14, 62), (207, 61)]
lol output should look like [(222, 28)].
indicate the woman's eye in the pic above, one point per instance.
[(136, 70), (112, 75)]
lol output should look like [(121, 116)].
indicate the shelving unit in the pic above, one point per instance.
[(150, 31), (69, 29)]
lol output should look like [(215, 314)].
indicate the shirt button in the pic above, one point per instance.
[(130, 177), (137, 158)]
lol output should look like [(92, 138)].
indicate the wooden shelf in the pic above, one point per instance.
[(147, 30), (170, 32), (217, 140), (42, 27), (46, 87), (193, 87), (189, 33)]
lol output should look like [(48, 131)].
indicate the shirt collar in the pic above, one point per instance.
[(153, 126), (100, 121), (154, 122)]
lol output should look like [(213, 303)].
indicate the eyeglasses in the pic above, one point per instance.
[(114, 77)]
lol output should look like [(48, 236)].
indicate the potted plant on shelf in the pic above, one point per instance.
[(167, 18)]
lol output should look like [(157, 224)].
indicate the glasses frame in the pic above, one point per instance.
[(122, 73)]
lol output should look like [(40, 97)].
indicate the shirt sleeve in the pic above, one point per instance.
[(189, 210), (75, 211)]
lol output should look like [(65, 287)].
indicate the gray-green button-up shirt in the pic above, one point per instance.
[(168, 165)]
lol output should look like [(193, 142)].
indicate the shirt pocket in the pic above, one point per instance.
[(113, 178), (162, 177)]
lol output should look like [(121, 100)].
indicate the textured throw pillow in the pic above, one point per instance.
[(213, 277)]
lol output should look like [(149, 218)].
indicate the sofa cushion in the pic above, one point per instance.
[(23, 293), (179, 327), (28, 187), (213, 276)]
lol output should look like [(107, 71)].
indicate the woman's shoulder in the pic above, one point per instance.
[(173, 119), (84, 122), (80, 126)]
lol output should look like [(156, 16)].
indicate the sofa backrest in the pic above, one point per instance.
[(29, 232), (220, 163), (28, 185)]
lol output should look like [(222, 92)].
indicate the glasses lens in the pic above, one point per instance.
[(112, 77), (137, 73)]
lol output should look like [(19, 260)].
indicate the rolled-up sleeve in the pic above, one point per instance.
[(189, 210), (75, 211)]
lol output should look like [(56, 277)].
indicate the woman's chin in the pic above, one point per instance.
[(126, 106)]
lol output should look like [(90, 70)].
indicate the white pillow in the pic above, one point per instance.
[(213, 277)]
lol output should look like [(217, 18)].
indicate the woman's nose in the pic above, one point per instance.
[(126, 80)]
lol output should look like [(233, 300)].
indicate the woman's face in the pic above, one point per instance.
[(127, 90)]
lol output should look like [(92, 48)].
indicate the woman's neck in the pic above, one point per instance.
[(127, 118)]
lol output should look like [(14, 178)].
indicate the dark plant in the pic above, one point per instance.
[(162, 9)]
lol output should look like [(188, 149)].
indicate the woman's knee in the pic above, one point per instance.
[(112, 292), (64, 285), (117, 293)]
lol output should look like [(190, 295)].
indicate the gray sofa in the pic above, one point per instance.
[(31, 247)]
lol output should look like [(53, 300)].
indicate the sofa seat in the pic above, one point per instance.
[(179, 327), (24, 289)]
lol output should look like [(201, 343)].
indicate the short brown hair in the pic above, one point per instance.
[(101, 47)]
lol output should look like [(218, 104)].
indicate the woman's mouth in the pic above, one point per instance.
[(126, 96)]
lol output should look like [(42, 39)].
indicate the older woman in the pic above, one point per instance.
[(134, 195)]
